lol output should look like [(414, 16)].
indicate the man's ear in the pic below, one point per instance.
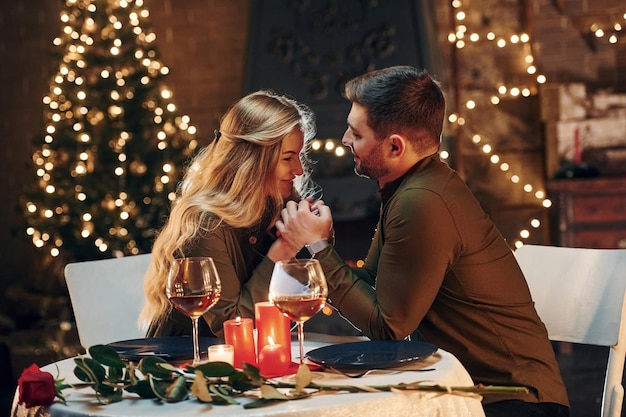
[(398, 145)]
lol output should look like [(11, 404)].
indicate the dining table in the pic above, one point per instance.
[(439, 368)]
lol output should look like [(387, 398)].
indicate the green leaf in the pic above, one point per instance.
[(253, 373), (270, 393), (110, 397), (143, 389), (107, 356), (88, 370), (170, 392), (216, 369), (303, 377), (199, 388), (153, 365), (241, 382), (116, 374), (222, 393), (261, 402)]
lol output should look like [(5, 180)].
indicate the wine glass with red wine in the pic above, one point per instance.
[(193, 287), (298, 289)]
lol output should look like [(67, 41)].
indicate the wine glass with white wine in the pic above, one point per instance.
[(193, 287), (298, 289)]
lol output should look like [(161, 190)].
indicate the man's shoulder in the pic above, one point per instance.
[(434, 175)]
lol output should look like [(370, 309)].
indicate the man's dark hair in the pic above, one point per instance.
[(401, 99)]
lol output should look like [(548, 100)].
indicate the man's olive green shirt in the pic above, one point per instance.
[(438, 265)]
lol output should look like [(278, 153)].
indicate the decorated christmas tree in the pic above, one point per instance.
[(114, 146)]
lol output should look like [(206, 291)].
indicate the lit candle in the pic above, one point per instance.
[(222, 353), (273, 359), (271, 323), (240, 334)]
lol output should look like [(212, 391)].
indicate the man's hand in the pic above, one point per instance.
[(304, 223)]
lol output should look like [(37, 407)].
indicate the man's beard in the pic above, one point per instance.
[(372, 165)]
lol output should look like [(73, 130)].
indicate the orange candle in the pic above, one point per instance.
[(271, 323), (273, 359), (239, 333)]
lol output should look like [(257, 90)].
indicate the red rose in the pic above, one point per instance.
[(36, 387)]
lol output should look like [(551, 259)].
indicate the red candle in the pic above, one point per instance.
[(238, 332), (273, 359), (271, 323)]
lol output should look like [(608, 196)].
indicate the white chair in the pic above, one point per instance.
[(579, 295), (107, 296)]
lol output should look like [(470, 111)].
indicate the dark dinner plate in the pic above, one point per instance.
[(371, 354), (172, 349)]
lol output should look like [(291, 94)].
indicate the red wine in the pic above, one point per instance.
[(299, 308), (194, 305)]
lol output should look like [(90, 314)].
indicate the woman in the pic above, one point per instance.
[(228, 202)]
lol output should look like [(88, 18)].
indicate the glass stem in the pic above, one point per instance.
[(301, 340), (196, 347)]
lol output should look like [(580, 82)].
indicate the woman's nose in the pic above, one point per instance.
[(297, 169)]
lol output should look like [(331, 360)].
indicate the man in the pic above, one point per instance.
[(437, 264)]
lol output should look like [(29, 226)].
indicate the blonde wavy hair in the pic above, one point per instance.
[(232, 181)]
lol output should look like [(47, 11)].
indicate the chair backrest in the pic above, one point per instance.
[(579, 295), (107, 296)]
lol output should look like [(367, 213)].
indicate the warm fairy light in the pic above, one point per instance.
[(524, 89), (73, 115)]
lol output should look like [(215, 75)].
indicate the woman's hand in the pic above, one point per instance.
[(304, 223)]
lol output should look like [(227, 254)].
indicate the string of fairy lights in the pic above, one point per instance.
[(612, 31), (67, 103), (462, 35)]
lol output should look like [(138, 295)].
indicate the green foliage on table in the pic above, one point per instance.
[(217, 382)]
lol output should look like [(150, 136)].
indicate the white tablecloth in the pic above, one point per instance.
[(443, 369)]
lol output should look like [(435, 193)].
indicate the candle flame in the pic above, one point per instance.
[(238, 320), (270, 341)]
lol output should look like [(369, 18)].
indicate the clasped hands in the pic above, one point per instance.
[(304, 223)]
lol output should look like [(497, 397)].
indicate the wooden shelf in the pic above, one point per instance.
[(589, 212)]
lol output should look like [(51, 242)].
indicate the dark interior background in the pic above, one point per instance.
[(219, 50)]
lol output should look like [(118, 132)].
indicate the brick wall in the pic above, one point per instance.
[(204, 43)]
